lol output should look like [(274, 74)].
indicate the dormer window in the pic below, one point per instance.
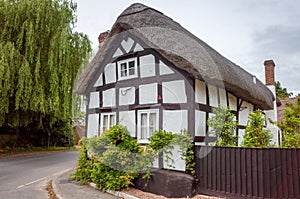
[(127, 69)]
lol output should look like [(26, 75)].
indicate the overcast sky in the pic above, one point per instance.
[(247, 32)]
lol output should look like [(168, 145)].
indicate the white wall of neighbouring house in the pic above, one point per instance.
[(272, 114)]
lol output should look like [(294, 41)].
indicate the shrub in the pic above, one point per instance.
[(223, 126), (255, 134)]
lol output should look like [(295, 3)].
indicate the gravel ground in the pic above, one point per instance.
[(145, 195)]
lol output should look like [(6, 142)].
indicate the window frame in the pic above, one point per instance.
[(139, 126), (127, 69), (109, 124)]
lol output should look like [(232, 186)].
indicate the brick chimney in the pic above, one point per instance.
[(102, 37), (269, 72)]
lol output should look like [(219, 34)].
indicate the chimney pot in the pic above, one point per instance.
[(269, 72), (102, 37)]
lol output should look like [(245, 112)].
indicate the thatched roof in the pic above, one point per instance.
[(184, 50)]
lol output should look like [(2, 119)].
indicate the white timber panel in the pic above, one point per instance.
[(210, 115), (241, 133), (93, 125), (109, 97), (164, 69), (127, 44), (155, 163), (127, 118), (118, 53), (148, 93), (179, 162), (99, 81), (232, 102), (110, 73), (175, 120), (200, 123), (126, 96), (213, 95), (222, 95), (200, 92), (138, 47), (94, 100), (147, 66), (246, 109), (174, 92)]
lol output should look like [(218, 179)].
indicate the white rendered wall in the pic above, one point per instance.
[(222, 95), (118, 53), (94, 100), (109, 97), (164, 69), (272, 114), (127, 118), (232, 102), (127, 44), (126, 96), (210, 115), (175, 120), (138, 47), (200, 92), (174, 92), (241, 133), (200, 123), (213, 95), (93, 125), (110, 73), (147, 66), (99, 81), (148, 93), (244, 113), (178, 164)]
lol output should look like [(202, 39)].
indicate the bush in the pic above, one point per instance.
[(224, 127), (255, 134), (113, 160)]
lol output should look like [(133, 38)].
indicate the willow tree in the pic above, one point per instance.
[(40, 54)]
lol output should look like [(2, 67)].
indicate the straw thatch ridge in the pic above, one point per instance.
[(184, 50)]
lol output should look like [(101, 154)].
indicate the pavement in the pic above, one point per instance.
[(65, 188)]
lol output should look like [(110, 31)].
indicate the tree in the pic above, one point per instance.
[(282, 92), (39, 60), (224, 126), (255, 134), (290, 126)]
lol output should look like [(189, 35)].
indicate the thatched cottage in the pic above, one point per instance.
[(150, 73)]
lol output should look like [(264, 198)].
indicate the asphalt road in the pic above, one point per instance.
[(27, 176)]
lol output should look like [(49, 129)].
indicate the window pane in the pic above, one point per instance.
[(123, 70), (131, 68), (144, 125), (152, 124), (112, 120), (105, 122)]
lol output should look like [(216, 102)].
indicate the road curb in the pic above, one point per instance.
[(116, 193), (54, 183)]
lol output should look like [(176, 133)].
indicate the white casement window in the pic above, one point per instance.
[(147, 124), (107, 121), (127, 69)]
